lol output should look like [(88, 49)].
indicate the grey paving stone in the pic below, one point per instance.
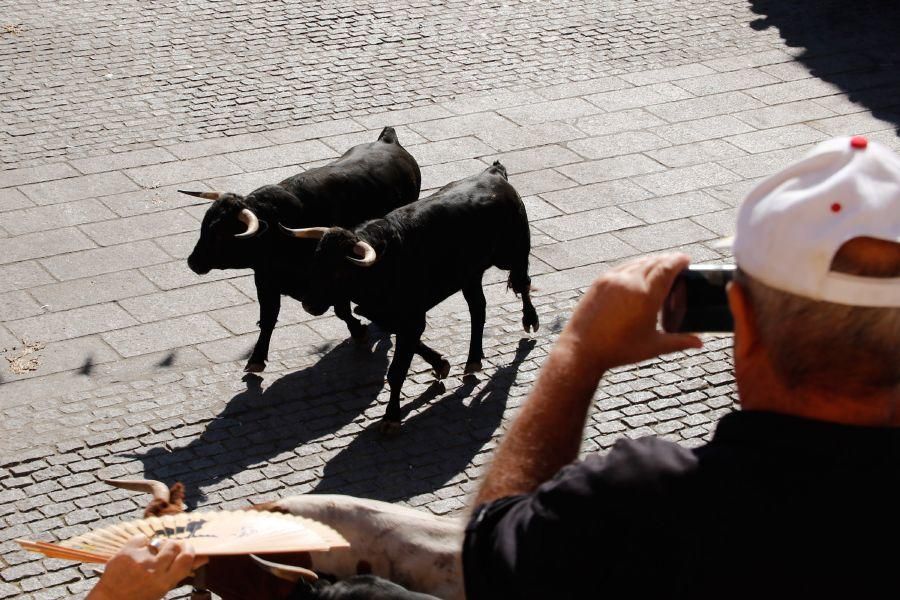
[(73, 323), (535, 159), (124, 160), (596, 195), (179, 245), (591, 222), (666, 74), (42, 218), (92, 290), (537, 209), (83, 354), (13, 199), (403, 116), (709, 128), (97, 261), (343, 142), (174, 274), (243, 318), (777, 138), (733, 193), (668, 208), (42, 173), (582, 88), (854, 124), (435, 176), (766, 163), (140, 227), (187, 170), (683, 179), (462, 125), (623, 120), (705, 106), (788, 71), (515, 138), (538, 182), (449, 150), (584, 251), (244, 183), (720, 222), (482, 102), (638, 97), (184, 301), (610, 168), (311, 131), (784, 114), (220, 145), (18, 305), (840, 104), (41, 244), (627, 142), (142, 202), (78, 188), (695, 153), (803, 89), (552, 110), (755, 59), (21, 275), (294, 154), (164, 335), (238, 348), (662, 236), (726, 82)]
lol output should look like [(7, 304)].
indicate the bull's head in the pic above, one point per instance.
[(339, 255), (228, 226)]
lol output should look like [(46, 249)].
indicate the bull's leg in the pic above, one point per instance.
[(474, 295), (520, 283), (269, 306), (407, 343), (358, 331), (440, 364)]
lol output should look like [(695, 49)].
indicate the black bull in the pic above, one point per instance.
[(368, 181), (398, 267)]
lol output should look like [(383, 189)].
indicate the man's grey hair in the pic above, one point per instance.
[(814, 344)]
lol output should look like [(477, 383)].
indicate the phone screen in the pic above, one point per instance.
[(697, 301)]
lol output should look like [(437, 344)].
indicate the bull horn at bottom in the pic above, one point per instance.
[(309, 233), (206, 195), (249, 219), (287, 572), (159, 490), (369, 256)]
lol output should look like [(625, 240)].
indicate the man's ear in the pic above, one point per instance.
[(746, 334)]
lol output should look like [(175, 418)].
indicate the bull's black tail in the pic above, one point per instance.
[(388, 136)]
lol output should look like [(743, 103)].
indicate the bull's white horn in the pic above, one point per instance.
[(206, 195), (366, 251), (288, 572), (159, 490), (309, 233), (249, 219)]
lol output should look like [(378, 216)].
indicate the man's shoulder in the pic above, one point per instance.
[(643, 461)]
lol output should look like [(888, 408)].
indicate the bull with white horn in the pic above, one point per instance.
[(366, 182), (395, 552)]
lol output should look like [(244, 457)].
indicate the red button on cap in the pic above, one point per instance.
[(836, 207), (858, 142)]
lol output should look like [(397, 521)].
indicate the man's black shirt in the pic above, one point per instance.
[(773, 507)]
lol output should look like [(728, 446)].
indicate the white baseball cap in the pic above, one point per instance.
[(792, 224)]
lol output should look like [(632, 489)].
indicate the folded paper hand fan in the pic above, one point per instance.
[(210, 533)]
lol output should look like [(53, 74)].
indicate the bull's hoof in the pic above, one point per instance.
[(360, 335), (389, 426), (442, 370), (530, 320), (255, 367), (472, 367)]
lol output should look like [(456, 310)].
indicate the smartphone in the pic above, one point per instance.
[(697, 301)]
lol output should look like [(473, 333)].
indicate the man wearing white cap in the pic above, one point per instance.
[(797, 493)]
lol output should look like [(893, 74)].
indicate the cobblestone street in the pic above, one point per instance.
[(627, 127)]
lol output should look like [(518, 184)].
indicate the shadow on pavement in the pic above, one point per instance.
[(432, 447), (258, 424), (853, 45)]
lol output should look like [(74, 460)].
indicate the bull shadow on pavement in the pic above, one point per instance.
[(260, 423), (855, 46), (433, 447)]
